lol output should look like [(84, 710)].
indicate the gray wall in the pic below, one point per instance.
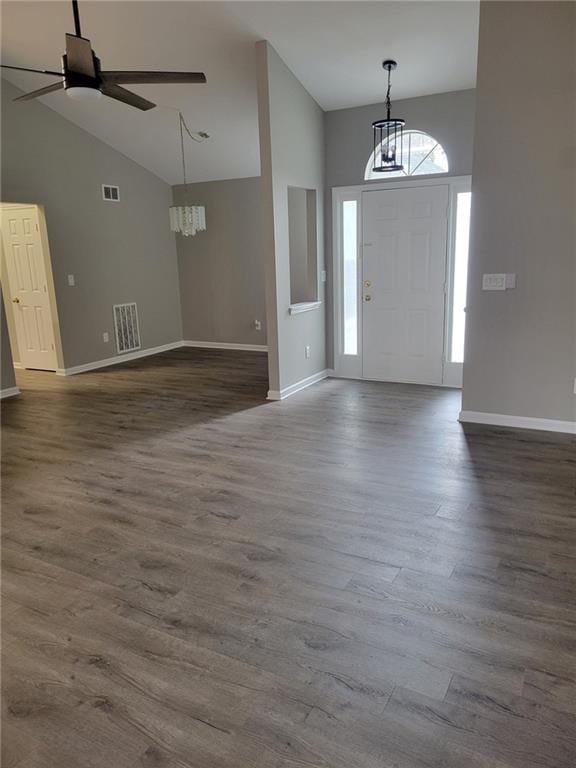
[(292, 155), (117, 251), (520, 345), (448, 117), (7, 379), (222, 269)]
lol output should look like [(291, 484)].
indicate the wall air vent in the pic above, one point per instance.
[(127, 328), (110, 193)]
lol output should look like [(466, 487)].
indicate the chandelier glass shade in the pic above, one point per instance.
[(187, 219), (388, 135)]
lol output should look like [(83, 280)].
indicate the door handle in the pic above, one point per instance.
[(16, 300)]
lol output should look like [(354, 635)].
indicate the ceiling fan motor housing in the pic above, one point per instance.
[(79, 79), (80, 64)]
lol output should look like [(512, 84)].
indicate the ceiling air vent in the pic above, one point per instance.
[(127, 328), (110, 193)]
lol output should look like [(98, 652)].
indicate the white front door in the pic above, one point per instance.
[(28, 287), (403, 283)]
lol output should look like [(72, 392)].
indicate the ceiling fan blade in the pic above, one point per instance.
[(79, 57), (121, 94), (37, 71), (41, 91), (144, 78)]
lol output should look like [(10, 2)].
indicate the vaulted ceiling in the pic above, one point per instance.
[(334, 48)]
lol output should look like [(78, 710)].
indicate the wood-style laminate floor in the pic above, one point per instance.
[(195, 578)]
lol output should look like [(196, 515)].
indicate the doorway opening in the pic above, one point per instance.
[(28, 288), (400, 276)]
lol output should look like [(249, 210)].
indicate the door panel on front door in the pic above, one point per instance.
[(28, 286), (404, 260)]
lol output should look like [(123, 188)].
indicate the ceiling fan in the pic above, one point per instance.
[(82, 77)]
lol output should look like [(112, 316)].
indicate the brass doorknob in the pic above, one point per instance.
[(16, 300)]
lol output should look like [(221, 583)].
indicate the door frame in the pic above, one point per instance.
[(350, 366), (47, 259)]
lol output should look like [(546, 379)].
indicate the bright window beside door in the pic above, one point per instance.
[(463, 200), (350, 275)]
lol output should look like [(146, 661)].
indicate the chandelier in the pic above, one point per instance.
[(388, 134), (187, 219)]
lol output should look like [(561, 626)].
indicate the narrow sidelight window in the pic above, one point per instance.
[(463, 201), (350, 275)]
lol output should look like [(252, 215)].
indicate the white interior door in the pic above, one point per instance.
[(28, 287), (404, 277)]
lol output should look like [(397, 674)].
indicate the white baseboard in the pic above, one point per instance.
[(9, 392), (226, 345), (118, 359), (519, 422), (154, 351), (300, 385), (18, 366)]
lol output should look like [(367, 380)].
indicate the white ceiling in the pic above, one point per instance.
[(334, 48)]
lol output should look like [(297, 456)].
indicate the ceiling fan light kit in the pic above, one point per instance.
[(81, 93), (83, 79)]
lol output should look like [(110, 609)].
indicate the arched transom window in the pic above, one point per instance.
[(421, 155)]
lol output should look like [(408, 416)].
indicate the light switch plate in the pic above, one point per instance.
[(494, 282), (498, 281)]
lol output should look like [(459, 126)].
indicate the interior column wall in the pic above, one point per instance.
[(7, 379), (520, 344), (292, 155)]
